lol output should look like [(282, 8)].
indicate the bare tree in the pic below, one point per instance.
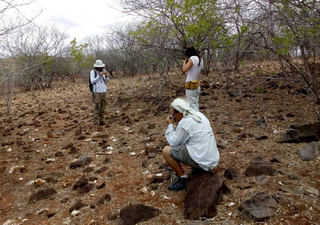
[(35, 50), (11, 19), (11, 16)]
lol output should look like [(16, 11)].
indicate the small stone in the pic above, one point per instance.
[(312, 192), (263, 137), (88, 169), (101, 169), (81, 162), (275, 159), (105, 198), (232, 174), (145, 163), (112, 215), (222, 145), (59, 154), (2, 169), (85, 189), (243, 186), (152, 155), (282, 172), (297, 191), (42, 194), (294, 176), (81, 182), (100, 185), (238, 129), (39, 182), (77, 206), (262, 179), (73, 150), (51, 213), (281, 198), (106, 160), (75, 213)]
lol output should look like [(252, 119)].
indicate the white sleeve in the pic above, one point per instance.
[(92, 78), (176, 137)]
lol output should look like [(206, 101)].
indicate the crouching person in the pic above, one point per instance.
[(192, 142)]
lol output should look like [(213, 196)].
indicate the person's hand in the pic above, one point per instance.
[(169, 120), (101, 74)]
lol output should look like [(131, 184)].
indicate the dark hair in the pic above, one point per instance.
[(191, 51)]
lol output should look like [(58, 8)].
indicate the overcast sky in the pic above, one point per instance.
[(80, 18)]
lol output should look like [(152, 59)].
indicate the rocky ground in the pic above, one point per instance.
[(58, 169)]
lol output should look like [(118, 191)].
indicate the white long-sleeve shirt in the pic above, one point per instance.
[(198, 139), (98, 83)]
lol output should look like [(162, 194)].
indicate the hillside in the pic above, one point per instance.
[(50, 130)]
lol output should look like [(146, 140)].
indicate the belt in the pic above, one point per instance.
[(193, 84)]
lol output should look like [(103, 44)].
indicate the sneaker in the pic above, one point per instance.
[(179, 184)]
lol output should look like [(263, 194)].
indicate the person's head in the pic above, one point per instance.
[(177, 115), (191, 51), (179, 105), (99, 65), (181, 108)]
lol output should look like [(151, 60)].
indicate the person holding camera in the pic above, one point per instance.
[(99, 79), (192, 142), (192, 66)]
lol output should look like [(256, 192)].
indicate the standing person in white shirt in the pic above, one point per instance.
[(99, 79), (193, 66), (191, 143)]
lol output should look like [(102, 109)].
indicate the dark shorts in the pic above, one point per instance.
[(181, 154)]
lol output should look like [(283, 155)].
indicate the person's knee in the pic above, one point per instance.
[(165, 151)]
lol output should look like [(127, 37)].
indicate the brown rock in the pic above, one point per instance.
[(105, 198), (2, 169), (40, 195), (133, 214), (81, 183), (232, 174), (100, 185), (112, 215), (101, 169), (81, 162), (77, 206), (259, 207), (203, 194), (85, 189), (51, 212), (260, 169)]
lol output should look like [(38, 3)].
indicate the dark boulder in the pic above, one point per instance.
[(203, 194), (42, 194), (259, 207), (81, 162), (260, 169), (133, 214), (309, 152), (77, 206), (304, 133), (232, 174)]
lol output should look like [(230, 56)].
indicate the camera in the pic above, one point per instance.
[(172, 116)]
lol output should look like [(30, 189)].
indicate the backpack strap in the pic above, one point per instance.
[(95, 75)]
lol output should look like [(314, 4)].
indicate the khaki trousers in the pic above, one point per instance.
[(99, 106)]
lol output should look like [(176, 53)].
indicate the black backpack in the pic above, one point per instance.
[(91, 85)]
